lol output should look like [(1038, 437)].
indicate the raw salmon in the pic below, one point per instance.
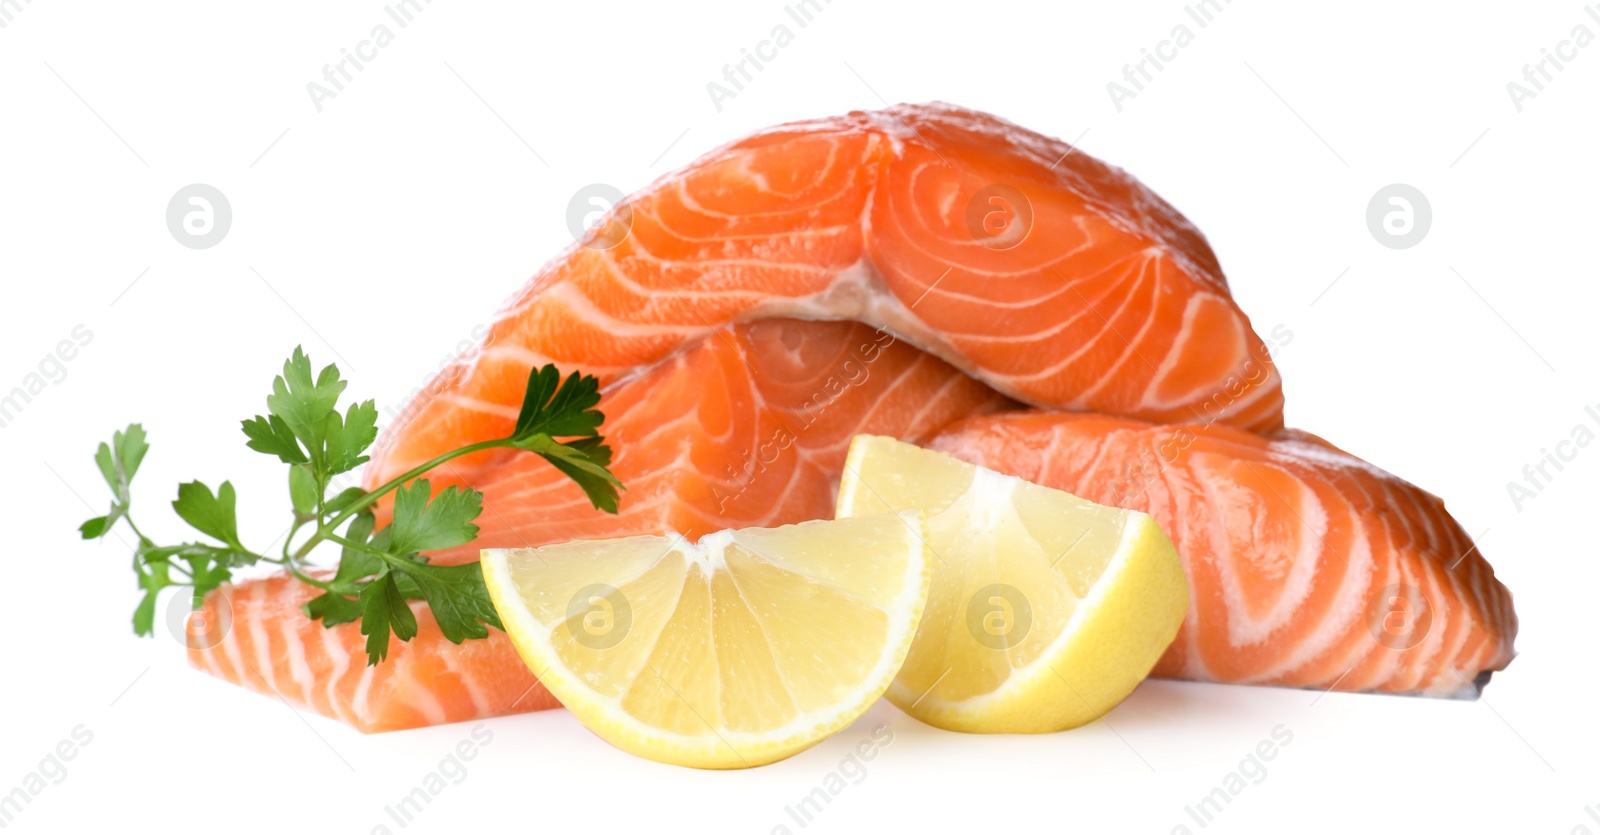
[(269, 645), (748, 428), (1307, 567), (1045, 273)]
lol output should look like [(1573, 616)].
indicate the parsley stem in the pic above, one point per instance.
[(306, 430), (325, 531), (357, 546), (308, 579), (127, 516)]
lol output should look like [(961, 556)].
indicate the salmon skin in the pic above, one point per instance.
[(748, 428), (1054, 278), (1307, 566)]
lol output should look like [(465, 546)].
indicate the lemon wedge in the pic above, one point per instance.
[(1046, 610), (742, 649)]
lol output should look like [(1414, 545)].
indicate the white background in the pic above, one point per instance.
[(381, 231)]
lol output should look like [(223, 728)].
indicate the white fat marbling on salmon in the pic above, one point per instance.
[(864, 217), (1331, 530)]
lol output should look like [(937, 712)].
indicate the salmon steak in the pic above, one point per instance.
[(748, 428), (950, 279), (1307, 566), (1050, 276)]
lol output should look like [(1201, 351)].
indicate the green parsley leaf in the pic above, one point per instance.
[(334, 607), (594, 448), (208, 514), (383, 608), (119, 461), (558, 411), (355, 563), (304, 404), (206, 574), (349, 437), (458, 597), (228, 557), (345, 499), (303, 491), (144, 615), (584, 461), (108, 465), (153, 577), (270, 435), (553, 408), (423, 525), (96, 527)]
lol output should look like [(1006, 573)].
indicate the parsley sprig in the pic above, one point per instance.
[(379, 569)]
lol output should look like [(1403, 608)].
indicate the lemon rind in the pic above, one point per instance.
[(721, 748)]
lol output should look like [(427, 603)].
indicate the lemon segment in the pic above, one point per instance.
[(742, 649), (1045, 611)]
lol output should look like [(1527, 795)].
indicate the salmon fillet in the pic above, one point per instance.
[(1045, 273), (752, 312), (271, 647), (1307, 566), (748, 428)]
